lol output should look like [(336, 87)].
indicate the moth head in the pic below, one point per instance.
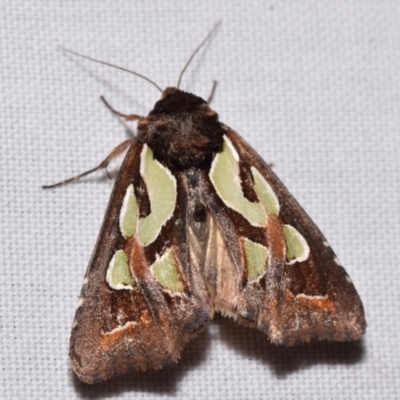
[(182, 130)]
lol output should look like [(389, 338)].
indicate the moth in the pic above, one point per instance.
[(197, 224)]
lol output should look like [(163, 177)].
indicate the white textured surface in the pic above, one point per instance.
[(314, 86)]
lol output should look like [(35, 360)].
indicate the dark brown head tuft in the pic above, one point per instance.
[(182, 130)]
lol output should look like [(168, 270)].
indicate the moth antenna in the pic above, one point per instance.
[(210, 97), (112, 65), (196, 51)]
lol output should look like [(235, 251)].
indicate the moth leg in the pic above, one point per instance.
[(210, 97), (127, 117), (103, 165)]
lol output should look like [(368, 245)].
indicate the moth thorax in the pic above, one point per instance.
[(182, 130)]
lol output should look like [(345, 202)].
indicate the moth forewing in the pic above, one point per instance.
[(321, 301)]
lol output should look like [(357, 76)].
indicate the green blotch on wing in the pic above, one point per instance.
[(265, 193), (118, 274), (161, 188), (224, 175), (256, 258), (297, 249), (165, 270), (129, 213)]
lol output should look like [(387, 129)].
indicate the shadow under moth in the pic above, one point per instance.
[(198, 223)]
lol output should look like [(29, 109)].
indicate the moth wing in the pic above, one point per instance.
[(125, 318), (282, 278)]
